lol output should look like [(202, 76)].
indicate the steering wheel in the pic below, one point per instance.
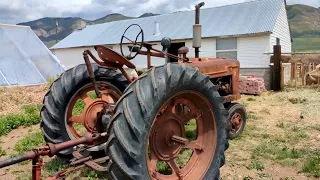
[(133, 49)]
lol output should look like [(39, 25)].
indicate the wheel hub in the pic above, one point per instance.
[(164, 148), (236, 121), (91, 115)]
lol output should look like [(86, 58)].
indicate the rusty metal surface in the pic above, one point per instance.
[(37, 163), (183, 50), (216, 68), (88, 117), (236, 122), (167, 137), (108, 55), (51, 150)]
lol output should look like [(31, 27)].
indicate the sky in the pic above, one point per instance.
[(16, 11)]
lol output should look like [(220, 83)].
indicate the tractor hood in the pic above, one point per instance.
[(214, 67)]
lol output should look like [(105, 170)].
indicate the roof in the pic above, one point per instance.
[(24, 59), (253, 17)]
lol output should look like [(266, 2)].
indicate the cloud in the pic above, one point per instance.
[(15, 11)]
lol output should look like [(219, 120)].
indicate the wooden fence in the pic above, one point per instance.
[(299, 71)]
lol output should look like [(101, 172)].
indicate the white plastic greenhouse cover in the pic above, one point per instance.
[(24, 59)]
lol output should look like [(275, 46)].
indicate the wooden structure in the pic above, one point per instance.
[(303, 67)]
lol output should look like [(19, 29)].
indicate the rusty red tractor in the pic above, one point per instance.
[(171, 122)]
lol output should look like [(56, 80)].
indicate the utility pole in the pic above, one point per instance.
[(56, 35)]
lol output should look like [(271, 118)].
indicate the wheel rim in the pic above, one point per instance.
[(83, 108), (186, 154), (236, 122)]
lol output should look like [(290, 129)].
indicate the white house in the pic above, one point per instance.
[(244, 31)]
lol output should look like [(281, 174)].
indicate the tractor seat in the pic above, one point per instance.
[(109, 56)]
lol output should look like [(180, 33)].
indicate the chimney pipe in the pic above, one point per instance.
[(197, 30)]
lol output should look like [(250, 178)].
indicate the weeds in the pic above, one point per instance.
[(55, 165), (312, 166), (2, 152), (29, 142), (280, 125), (315, 127), (252, 116), (265, 111), (251, 99), (92, 174), (31, 116), (299, 100), (258, 165), (275, 151), (248, 178)]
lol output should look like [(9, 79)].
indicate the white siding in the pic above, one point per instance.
[(141, 60), (71, 57), (208, 48), (251, 52), (281, 30)]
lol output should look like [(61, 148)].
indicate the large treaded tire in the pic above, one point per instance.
[(61, 91), (137, 109)]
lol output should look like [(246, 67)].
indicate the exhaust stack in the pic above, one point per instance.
[(197, 30)]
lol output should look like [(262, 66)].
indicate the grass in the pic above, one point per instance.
[(31, 116), (306, 44), (312, 166), (2, 152), (252, 116), (29, 142), (280, 125), (251, 99), (92, 175), (258, 165), (55, 165), (315, 127)]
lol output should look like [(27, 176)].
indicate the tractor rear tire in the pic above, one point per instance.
[(61, 92), (235, 109), (137, 109)]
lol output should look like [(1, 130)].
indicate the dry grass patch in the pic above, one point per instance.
[(13, 98), (277, 138)]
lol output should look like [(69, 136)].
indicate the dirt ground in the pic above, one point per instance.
[(12, 98), (291, 117)]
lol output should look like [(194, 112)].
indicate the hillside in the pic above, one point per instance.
[(304, 21), (45, 28)]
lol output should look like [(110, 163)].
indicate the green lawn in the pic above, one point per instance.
[(306, 44)]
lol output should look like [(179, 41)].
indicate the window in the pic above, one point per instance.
[(227, 48)]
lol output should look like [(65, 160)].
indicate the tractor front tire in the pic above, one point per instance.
[(61, 93), (137, 116), (237, 120)]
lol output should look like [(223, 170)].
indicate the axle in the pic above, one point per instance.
[(51, 149)]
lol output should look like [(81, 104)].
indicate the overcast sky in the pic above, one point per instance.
[(15, 11)]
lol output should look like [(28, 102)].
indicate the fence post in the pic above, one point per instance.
[(282, 78), (303, 73), (277, 66), (292, 72)]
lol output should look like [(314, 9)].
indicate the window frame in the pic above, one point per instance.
[(228, 50)]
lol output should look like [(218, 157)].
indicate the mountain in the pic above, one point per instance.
[(45, 28), (305, 27), (147, 15), (304, 21), (109, 18)]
